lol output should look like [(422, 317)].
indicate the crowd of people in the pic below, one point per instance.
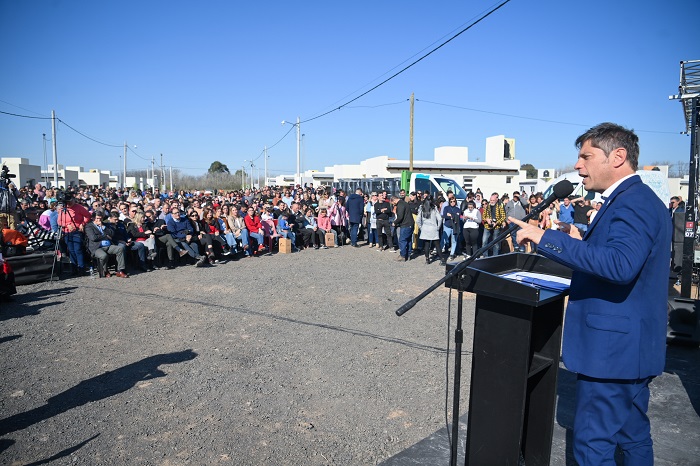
[(143, 227)]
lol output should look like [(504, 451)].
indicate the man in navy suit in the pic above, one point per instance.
[(615, 329)]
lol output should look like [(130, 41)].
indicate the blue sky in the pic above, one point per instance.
[(212, 80)]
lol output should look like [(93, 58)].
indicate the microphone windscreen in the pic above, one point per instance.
[(563, 189)]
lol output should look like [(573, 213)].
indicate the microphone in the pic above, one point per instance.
[(561, 189)]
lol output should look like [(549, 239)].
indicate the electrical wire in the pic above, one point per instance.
[(22, 108), (25, 116), (531, 118), (472, 24), (134, 152), (380, 105), (86, 136)]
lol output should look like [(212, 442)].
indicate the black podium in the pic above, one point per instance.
[(517, 342)]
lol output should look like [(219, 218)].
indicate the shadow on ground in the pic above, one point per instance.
[(97, 388)]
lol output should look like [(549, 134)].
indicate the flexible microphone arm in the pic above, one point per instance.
[(561, 190)]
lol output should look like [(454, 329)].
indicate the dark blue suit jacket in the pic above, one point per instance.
[(617, 313)]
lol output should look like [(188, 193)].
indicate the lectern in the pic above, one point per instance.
[(517, 342)]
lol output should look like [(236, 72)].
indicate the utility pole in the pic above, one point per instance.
[(410, 152), (55, 154), (162, 174), (46, 173), (298, 151), (265, 155), (171, 178), (153, 172)]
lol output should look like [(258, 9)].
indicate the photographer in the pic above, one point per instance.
[(8, 199), (72, 220)]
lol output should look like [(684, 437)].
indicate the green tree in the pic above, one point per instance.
[(218, 167), (531, 170)]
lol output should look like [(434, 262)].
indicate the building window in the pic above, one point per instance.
[(509, 179), (467, 183)]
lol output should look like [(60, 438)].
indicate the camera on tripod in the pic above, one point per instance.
[(5, 174)]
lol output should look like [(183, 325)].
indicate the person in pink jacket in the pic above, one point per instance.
[(324, 224)]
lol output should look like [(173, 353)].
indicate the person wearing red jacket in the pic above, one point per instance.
[(72, 219), (255, 229)]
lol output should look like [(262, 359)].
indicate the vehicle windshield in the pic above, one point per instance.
[(579, 190), (448, 184)]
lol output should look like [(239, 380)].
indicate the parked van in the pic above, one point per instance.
[(437, 185)]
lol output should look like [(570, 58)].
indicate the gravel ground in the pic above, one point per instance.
[(278, 360)]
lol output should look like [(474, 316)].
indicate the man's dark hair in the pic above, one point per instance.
[(608, 137)]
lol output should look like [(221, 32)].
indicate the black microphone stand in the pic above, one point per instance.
[(563, 191)]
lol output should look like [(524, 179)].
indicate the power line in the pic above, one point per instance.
[(22, 108), (380, 105), (134, 152), (474, 23), (86, 136), (532, 118), (25, 116)]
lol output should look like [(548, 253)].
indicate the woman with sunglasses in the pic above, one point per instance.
[(203, 233)]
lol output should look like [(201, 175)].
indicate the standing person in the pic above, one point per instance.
[(472, 220), (452, 228), (615, 330), (565, 211), (429, 221), (339, 220), (355, 207), (581, 213), (404, 222), (516, 208), (494, 218), (72, 219), (382, 210), (371, 219)]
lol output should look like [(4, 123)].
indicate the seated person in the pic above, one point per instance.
[(160, 230), (239, 231), (285, 229), (182, 231), (311, 233), (101, 244), (255, 229), (324, 225), (122, 236)]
